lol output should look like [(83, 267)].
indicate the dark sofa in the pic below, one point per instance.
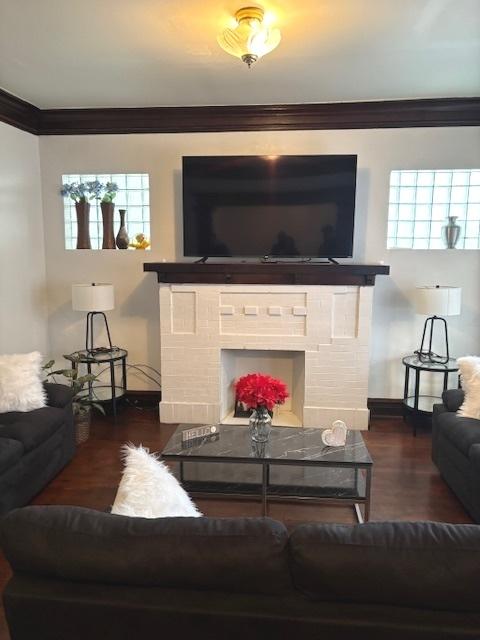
[(34, 446), (81, 574), (456, 450)]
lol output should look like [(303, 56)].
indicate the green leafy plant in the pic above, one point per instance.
[(110, 191), (81, 402)]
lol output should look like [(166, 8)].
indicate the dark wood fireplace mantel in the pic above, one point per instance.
[(306, 273)]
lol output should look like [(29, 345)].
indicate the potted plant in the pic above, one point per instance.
[(107, 206), (261, 393), (78, 192), (82, 403)]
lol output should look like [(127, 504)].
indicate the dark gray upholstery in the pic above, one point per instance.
[(82, 574), (34, 446), (224, 554), (453, 399), (34, 427), (10, 452), (456, 451), (417, 564)]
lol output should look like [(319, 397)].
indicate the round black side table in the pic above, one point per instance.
[(110, 393), (418, 404)]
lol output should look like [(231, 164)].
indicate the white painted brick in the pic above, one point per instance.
[(299, 311), (227, 310), (274, 311), (250, 310), (336, 358), (166, 412)]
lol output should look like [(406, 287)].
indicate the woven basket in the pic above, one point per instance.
[(82, 427)]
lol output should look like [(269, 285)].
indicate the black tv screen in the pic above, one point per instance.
[(283, 206)]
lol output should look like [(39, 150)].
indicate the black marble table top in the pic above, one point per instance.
[(285, 444)]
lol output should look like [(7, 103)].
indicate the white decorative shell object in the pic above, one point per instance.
[(336, 436)]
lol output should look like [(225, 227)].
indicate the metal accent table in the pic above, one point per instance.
[(113, 392), (293, 465), (417, 404)]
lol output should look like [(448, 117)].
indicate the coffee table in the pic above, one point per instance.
[(294, 465)]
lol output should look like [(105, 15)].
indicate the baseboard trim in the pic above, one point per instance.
[(387, 407), (378, 406), (144, 398)]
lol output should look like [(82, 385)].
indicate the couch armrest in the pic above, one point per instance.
[(453, 399), (58, 395)]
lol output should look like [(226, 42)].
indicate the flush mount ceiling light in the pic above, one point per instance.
[(252, 38)]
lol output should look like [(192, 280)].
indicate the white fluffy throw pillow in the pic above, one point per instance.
[(148, 489), (469, 367), (21, 387)]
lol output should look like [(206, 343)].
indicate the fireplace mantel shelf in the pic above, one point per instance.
[(282, 273)]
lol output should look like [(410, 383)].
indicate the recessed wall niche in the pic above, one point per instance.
[(133, 196), (423, 202)]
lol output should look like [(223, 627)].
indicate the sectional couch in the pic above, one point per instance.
[(456, 451), (34, 446), (81, 574)]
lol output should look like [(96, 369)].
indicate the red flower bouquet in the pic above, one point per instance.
[(260, 390)]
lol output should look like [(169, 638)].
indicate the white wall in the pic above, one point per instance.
[(23, 311), (135, 321)]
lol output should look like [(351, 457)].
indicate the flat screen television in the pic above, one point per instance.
[(279, 206)]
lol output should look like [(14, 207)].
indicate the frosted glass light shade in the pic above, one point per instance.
[(438, 301), (93, 297), (251, 39)]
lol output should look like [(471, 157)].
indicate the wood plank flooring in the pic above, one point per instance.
[(406, 484)]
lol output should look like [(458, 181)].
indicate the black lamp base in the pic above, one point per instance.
[(89, 348), (425, 353)]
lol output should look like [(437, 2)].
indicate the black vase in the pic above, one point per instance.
[(122, 239)]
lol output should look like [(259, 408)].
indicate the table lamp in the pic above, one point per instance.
[(436, 302), (94, 298)]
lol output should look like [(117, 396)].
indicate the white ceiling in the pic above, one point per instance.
[(105, 53)]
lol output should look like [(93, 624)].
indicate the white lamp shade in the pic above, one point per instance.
[(438, 301), (93, 297)]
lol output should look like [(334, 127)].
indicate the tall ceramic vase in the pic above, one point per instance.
[(83, 225), (451, 232), (122, 239), (107, 220)]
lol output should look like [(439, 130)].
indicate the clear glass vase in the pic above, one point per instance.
[(260, 424)]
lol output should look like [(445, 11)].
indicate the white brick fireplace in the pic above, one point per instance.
[(316, 338)]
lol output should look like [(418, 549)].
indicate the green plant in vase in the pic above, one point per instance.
[(82, 402), (109, 191), (79, 192)]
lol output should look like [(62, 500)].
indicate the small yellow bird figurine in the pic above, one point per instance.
[(140, 242)]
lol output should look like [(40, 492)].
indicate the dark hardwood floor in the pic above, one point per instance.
[(406, 484)]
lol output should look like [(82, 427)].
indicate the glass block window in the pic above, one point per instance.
[(421, 201), (133, 195)]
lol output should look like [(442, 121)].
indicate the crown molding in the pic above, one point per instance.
[(444, 112), (436, 112), (19, 113)]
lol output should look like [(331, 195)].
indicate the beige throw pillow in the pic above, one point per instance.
[(469, 367), (21, 387)]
